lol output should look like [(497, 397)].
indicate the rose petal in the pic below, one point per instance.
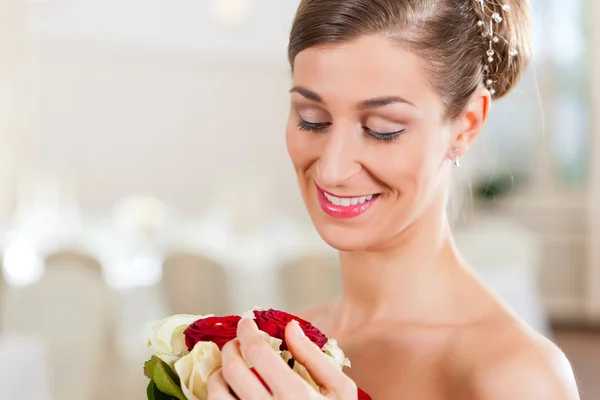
[(274, 322), (195, 369), (218, 330), (362, 395), (167, 339)]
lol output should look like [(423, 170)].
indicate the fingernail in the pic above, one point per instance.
[(298, 329), (251, 324)]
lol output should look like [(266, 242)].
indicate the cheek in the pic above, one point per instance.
[(411, 165), (299, 146), (427, 162), (291, 142)]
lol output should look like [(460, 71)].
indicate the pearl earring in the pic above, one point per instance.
[(456, 161)]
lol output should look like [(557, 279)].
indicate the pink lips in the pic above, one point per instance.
[(338, 211)]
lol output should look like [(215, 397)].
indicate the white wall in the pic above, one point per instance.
[(117, 121), (13, 97), (158, 97), (167, 24)]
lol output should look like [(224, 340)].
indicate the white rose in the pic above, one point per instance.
[(300, 370), (250, 313), (194, 370), (332, 349), (274, 343), (168, 341)]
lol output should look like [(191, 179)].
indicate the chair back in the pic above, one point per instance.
[(70, 309), (195, 284), (309, 280)]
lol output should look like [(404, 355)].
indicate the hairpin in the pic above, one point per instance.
[(493, 36)]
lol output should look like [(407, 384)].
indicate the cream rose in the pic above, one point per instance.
[(332, 349), (250, 313), (274, 343), (168, 341), (300, 370), (195, 369)]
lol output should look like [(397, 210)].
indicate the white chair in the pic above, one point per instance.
[(71, 258), (195, 284), (71, 310), (309, 280)]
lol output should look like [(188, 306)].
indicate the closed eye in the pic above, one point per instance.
[(384, 133), (386, 137), (313, 126)]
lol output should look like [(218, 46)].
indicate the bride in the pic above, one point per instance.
[(387, 96)]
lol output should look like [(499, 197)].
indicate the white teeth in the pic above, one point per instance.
[(347, 201), (333, 200)]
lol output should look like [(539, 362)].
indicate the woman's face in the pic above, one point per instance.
[(368, 140)]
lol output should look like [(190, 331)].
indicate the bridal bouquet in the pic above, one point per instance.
[(187, 351)]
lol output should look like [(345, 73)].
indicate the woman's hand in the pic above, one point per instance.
[(283, 383)]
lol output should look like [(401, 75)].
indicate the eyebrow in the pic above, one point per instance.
[(367, 104)]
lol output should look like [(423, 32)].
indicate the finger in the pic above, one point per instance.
[(238, 376), (320, 366), (217, 388), (275, 372)]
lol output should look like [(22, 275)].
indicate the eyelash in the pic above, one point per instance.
[(321, 126)]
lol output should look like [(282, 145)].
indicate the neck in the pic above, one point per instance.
[(412, 280)]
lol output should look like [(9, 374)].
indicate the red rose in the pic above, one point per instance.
[(362, 395), (219, 330), (274, 322)]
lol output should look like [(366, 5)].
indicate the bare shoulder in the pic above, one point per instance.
[(516, 363)]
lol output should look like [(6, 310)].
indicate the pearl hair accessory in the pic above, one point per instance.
[(488, 32)]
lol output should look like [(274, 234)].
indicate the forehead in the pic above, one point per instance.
[(368, 67)]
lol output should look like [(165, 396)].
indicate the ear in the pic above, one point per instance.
[(470, 123)]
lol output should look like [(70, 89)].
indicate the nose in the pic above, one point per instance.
[(338, 162)]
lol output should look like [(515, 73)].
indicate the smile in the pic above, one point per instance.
[(345, 207)]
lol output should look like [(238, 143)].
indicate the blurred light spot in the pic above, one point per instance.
[(141, 212), (138, 271), (22, 265), (230, 12)]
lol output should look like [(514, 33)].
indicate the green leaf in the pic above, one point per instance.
[(165, 379), (149, 367), (150, 390), (155, 394)]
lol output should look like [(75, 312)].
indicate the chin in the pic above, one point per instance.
[(347, 243), (344, 238)]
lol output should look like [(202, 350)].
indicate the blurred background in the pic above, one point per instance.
[(143, 172)]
